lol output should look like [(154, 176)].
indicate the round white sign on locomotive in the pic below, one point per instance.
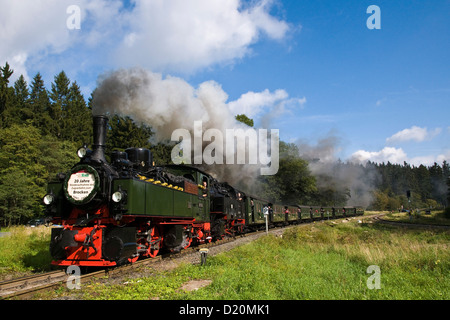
[(80, 185)]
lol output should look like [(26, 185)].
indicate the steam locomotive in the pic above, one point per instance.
[(116, 212)]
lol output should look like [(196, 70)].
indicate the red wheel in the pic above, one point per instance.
[(133, 260), (155, 243), (188, 239)]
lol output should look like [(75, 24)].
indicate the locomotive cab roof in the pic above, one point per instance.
[(185, 167)]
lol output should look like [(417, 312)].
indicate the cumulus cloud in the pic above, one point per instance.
[(169, 35), (27, 28), (414, 133), (179, 35), (430, 159), (393, 155), (397, 155), (32, 31), (254, 103)]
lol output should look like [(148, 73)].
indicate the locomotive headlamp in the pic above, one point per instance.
[(48, 199), (83, 152), (117, 196)]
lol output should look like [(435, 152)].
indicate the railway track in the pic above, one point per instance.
[(379, 219), (14, 287), (27, 287)]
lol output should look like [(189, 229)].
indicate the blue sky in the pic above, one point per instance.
[(312, 68)]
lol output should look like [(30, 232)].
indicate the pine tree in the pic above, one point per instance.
[(59, 96), (125, 133), (6, 94), (39, 104), (77, 121), (438, 183), (424, 186), (162, 152), (22, 111)]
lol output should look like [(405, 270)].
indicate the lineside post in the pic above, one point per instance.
[(266, 214)]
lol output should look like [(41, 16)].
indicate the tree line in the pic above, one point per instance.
[(427, 186), (386, 185), (41, 129)]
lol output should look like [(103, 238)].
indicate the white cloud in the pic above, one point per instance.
[(414, 133), (390, 154), (254, 103), (397, 155), (29, 27), (179, 35), (31, 31), (169, 35)]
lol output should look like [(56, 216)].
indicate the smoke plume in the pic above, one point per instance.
[(170, 103), (352, 181)]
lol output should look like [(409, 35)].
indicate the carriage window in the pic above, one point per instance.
[(189, 176)]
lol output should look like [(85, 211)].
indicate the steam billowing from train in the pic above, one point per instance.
[(355, 180), (165, 104), (170, 103)]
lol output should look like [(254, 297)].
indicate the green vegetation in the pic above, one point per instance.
[(326, 260), (436, 217), (41, 129), (429, 186), (293, 183), (25, 250), (244, 119)]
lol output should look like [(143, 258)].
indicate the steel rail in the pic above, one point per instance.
[(409, 224), (27, 287)]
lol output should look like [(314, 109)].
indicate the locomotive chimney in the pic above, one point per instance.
[(98, 148)]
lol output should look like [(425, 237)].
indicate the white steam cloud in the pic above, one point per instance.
[(352, 179), (168, 104)]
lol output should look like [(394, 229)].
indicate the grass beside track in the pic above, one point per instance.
[(25, 251), (327, 260), (436, 217)]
